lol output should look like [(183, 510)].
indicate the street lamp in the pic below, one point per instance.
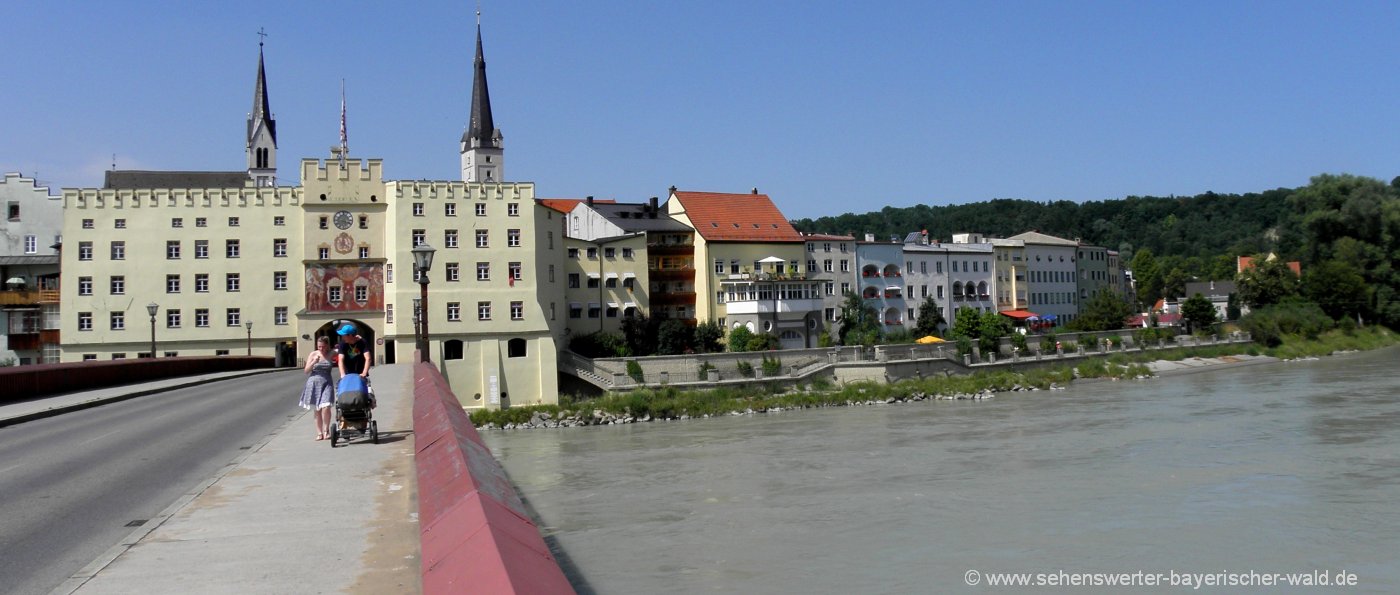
[(423, 262), (249, 325), (151, 309)]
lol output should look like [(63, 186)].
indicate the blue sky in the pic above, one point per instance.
[(826, 106)]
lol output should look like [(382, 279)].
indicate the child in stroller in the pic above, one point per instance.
[(354, 405)]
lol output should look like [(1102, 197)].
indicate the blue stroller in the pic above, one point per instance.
[(354, 407)]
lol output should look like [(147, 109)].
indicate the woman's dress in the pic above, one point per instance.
[(319, 391)]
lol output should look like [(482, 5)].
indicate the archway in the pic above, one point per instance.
[(366, 331)]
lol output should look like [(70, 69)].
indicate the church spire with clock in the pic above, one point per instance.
[(481, 145)]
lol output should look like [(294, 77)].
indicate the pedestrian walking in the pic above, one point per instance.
[(319, 393)]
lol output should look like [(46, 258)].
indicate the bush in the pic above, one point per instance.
[(825, 340), (739, 338), (1269, 324), (964, 346), (763, 342), (634, 370), (1047, 343), (1018, 342), (745, 369), (898, 336), (772, 367), (704, 370), (600, 344)]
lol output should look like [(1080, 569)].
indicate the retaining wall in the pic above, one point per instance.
[(26, 382), (475, 533)]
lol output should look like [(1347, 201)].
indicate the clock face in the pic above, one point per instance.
[(343, 219)]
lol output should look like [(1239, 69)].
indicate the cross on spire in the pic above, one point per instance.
[(261, 37)]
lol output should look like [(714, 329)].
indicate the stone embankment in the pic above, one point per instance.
[(568, 419)]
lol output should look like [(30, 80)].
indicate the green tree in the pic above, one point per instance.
[(967, 322), (991, 327), (640, 333), (930, 318), (764, 342), (1198, 312), (1174, 283), (1147, 276), (860, 324), (1266, 283), (1104, 311), (708, 335), (674, 338), (1338, 288), (739, 338)]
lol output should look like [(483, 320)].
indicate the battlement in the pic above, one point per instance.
[(330, 170), (453, 190), (125, 198), (18, 179)]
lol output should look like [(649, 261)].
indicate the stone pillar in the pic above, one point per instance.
[(967, 359), (665, 377)]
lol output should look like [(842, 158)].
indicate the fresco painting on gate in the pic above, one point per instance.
[(320, 279)]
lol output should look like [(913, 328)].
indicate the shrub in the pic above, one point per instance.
[(739, 338), (1047, 343), (763, 342), (1018, 341), (898, 336), (704, 370), (634, 370), (964, 346), (600, 344), (745, 369), (772, 367)]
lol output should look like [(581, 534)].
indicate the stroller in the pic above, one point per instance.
[(354, 406)]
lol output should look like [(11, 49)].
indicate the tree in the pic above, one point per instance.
[(860, 324), (990, 328), (1232, 307), (708, 335), (763, 342), (1266, 283), (1104, 311), (966, 323), (1147, 277), (1198, 312), (1174, 283), (739, 338), (641, 333), (930, 318), (1337, 288), (674, 338)]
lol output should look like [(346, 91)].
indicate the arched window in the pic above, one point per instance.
[(452, 349), (957, 288), (982, 288), (515, 348)]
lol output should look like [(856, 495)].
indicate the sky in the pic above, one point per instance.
[(827, 107)]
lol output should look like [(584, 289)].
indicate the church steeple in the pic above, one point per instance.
[(481, 145), (262, 130)]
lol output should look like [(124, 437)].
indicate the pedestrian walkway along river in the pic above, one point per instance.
[(1287, 467)]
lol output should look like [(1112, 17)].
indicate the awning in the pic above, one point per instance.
[(613, 305), (594, 305), (894, 288), (629, 275), (611, 275), (772, 259), (593, 275), (1048, 317), (575, 305), (1019, 314), (629, 304)]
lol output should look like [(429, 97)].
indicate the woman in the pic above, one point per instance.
[(319, 393)]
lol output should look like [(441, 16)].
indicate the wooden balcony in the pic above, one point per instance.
[(671, 274), (28, 297)]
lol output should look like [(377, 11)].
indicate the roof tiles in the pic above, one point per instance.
[(736, 217)]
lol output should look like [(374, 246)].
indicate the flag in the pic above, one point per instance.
[(512, 280)]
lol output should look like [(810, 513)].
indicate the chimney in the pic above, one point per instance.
[(654, 206), (589, 200), (754, 191), (673, 190), (870, 237)]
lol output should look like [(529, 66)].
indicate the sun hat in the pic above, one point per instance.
[(345, 329)]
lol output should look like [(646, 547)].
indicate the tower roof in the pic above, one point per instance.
[(482, 131), (261, 114)]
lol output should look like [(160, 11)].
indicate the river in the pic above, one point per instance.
[(1290, 467)]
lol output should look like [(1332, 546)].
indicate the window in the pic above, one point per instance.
[(831, 288), (279, 315), (118, 321), (627, 253), (611, 312), (231, 248), (938, 268), (419, 236), (610, 282), (845, 288), (389, 273), (843, 247), (573, 280), (172, 249), (515, 348), (279, 280), (201, 283), (514, 269), (323, 253), (483, 271), (118, 285), (517, 310), (481, 239), (231, 282), (279, 247), (453, 272), (87, 224), (233, 222), (201, 317), (845, 264), (575, 310), (513, 210), (454, 311), (940, 292), (172, 284), (592, 282), (449, 209), (84, 250), (31, 244), (364, 221), (389, 313), (278, 220), (551, 273), (826, 266), (84, 285), (481, 209), (449, 238), (85, 321), (119, 223), (201, 248), (118, 250), (417, 209), (172, 319), (594, 310), (201, 222), (610, 253), (923, 266), (233, 316), (592, 254), (573, 253), (483, 310), (333, 294), (513, 238), (362, 294)]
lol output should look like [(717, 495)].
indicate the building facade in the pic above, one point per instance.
[(1053, 287), (30, 237)]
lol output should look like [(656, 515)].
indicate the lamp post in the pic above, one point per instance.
[(423, 262), (249, 325), (151, 309)]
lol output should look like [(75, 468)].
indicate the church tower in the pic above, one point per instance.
[(262, 133), (481, 143)]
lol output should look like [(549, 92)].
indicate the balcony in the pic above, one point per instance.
[(28, 297), (671, 274), (670, 249), (770, 306), (663, 298)]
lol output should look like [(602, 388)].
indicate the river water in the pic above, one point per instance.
[(1289, 467)]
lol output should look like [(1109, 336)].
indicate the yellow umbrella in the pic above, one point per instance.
[(929, 339)]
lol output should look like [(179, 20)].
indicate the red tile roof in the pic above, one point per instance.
[(565, 205), (736, 217)]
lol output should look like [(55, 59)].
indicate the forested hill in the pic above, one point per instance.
[(1206, 225)]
